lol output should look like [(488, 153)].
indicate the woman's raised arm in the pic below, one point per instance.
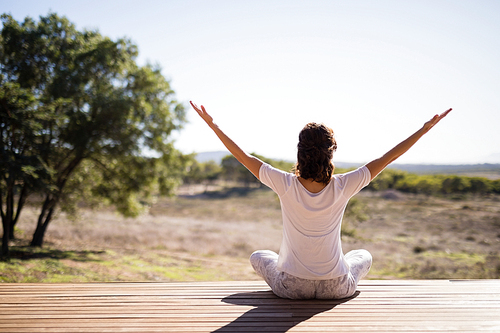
[(376, 166), (252, 163)]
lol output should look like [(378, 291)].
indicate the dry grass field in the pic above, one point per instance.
[(200, 236)]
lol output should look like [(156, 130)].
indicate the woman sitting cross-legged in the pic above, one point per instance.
[(311, 263)]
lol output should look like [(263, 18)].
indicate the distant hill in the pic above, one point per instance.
[(491, 171), (487, 170)]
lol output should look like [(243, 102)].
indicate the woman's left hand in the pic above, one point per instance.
[(436, 119)]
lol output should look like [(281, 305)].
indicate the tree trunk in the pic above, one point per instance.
[(11, 231), (5, 239), (2, 249), (7, 220), (20, 204), (37, 240), (43, 221), (51, 201)]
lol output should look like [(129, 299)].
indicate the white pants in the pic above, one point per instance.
[(288, 286)]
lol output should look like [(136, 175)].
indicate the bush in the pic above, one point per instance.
[(454, 184), (433, 184), (412, 183), (387, 179), (495, 186)]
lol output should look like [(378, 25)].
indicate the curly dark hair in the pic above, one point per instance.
[(315, 152)]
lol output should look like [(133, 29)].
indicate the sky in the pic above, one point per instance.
[(373, 71)]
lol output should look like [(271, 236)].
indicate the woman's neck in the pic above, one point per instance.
[(311, 185)]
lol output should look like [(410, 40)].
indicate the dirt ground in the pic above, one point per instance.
[(210, 235)]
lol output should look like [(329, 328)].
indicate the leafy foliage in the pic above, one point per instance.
[(233, 170), (433, 184), (202, 173)]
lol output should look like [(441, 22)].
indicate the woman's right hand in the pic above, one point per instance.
[(203, 113)]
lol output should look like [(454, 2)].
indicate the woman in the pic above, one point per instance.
[(311, 263)]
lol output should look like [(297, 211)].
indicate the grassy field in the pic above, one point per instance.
[(200, 236)]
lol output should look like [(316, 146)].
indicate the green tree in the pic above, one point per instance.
[(202, 172), (479, 185), (495, 186), (387, 179), (87, 100), (424, 184), (235, 171), (454, 184)]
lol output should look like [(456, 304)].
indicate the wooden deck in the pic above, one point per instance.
[(378, 306)]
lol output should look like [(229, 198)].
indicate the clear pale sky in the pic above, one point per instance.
[(374, 71)]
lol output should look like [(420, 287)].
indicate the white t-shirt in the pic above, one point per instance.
[(311, 247)]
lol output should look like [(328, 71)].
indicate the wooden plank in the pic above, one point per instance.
[(380, 306)]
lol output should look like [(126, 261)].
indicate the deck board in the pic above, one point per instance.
[(249, 306)]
